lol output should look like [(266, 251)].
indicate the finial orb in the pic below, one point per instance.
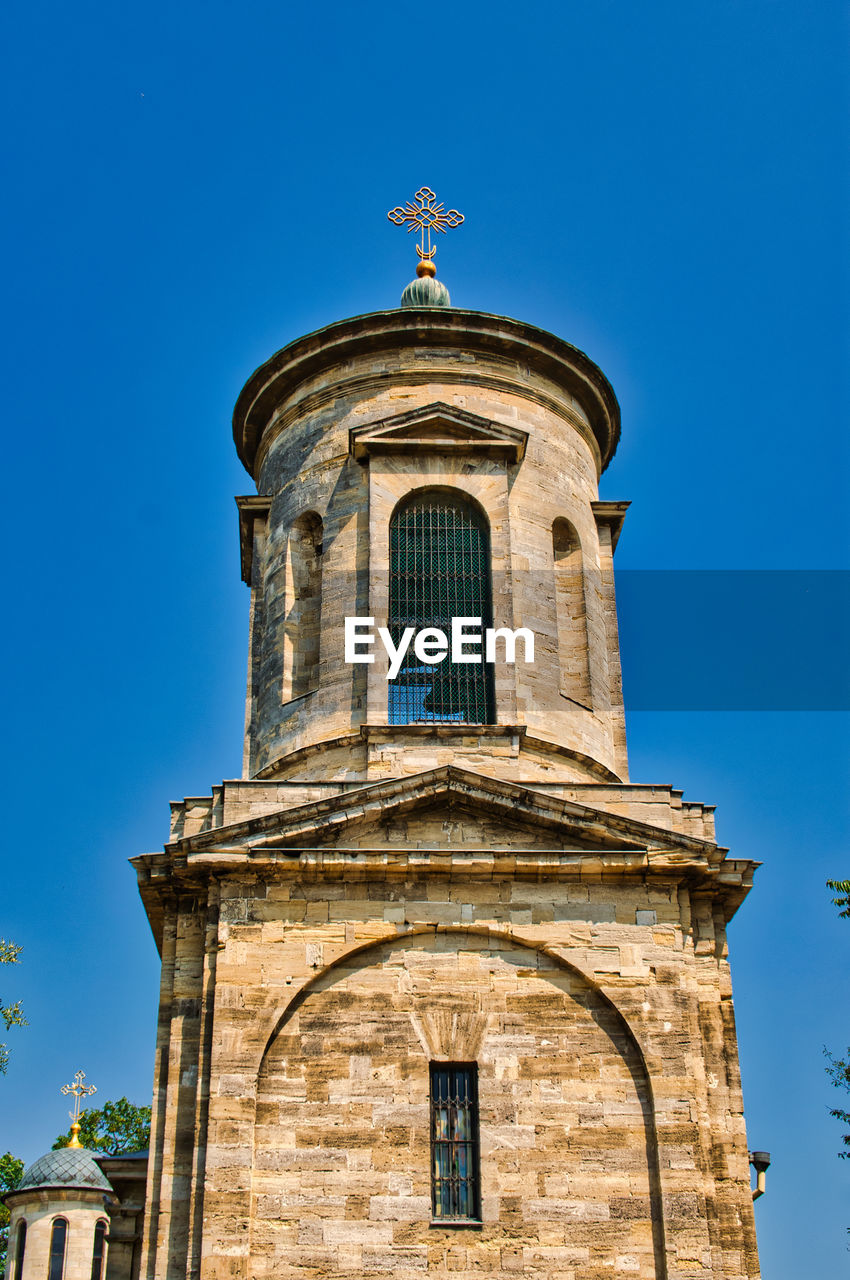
[(425, 291), (426, 268)]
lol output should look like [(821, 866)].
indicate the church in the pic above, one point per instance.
[(443, 991)]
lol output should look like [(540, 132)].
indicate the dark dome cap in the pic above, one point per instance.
[(67, 1167), (425, 291)]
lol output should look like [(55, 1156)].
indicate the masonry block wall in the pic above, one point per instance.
[(372, 898), (343, 425), (81, 1211)]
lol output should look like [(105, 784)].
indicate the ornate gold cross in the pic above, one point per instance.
[(80, 1090), (425, 216)]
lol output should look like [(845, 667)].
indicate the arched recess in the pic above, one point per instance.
[(569, 1147), (302, 632), (20, 1249), (571, 605), (440, 568)]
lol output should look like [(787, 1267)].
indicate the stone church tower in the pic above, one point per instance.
[(442, 990)]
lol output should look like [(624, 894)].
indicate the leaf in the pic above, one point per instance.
[(114, 1128)]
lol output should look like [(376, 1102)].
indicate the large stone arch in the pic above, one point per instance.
[(340, 1162)]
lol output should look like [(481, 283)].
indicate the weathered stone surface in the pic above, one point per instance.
[(370, 898), (40, 1209)]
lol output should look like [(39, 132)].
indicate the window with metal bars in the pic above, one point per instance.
[(98, 1249), (439, 570), (20, 1249), (455, 1181), (56, 1261)]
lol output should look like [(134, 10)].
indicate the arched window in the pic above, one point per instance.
[(303, 607), (99, 1249), (440, 570), (58, 1236), (573, 643), (20, 1249)]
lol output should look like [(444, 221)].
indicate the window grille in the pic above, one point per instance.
[(99, 1249), (56, 1268), (439, 570), (455, 1190)]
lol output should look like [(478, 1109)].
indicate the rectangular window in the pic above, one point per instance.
[(455, 1189)]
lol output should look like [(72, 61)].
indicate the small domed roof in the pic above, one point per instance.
[(67, 1167), (425, 291)]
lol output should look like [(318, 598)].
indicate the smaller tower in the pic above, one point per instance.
[(59, 1219), (67, 1211)]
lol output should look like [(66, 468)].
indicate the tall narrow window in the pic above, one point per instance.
[(573, 642), (56, 1267), (304, 607), (99, 1249), (455, 1182), (20, 1249), (440, 570)]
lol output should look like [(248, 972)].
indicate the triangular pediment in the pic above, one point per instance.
[(444, 822), (441, 428), (451, 809)]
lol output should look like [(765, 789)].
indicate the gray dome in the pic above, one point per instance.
[(67, 1167), (425, 291)]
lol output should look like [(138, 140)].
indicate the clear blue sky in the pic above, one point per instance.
[(191, 187)]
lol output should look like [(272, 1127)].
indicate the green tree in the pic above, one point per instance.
[(12, 1014), (114, 1128), (839, 1068), (842, 888), (839, 1073), (11, 1172)]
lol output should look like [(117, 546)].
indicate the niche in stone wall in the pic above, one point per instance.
[(342, 1174), (573, 642), (301, 644)]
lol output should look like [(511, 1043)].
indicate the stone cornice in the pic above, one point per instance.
[(44, 1196), (612, 514), (309, 841), (164, 876), (451, 786), (449, 329)]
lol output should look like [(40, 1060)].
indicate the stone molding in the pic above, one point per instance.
[(440, 427), (453, 330), (253, 509), (585, 844)]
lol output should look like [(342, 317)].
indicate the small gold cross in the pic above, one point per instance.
[(80, 1090), (426, 215)]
